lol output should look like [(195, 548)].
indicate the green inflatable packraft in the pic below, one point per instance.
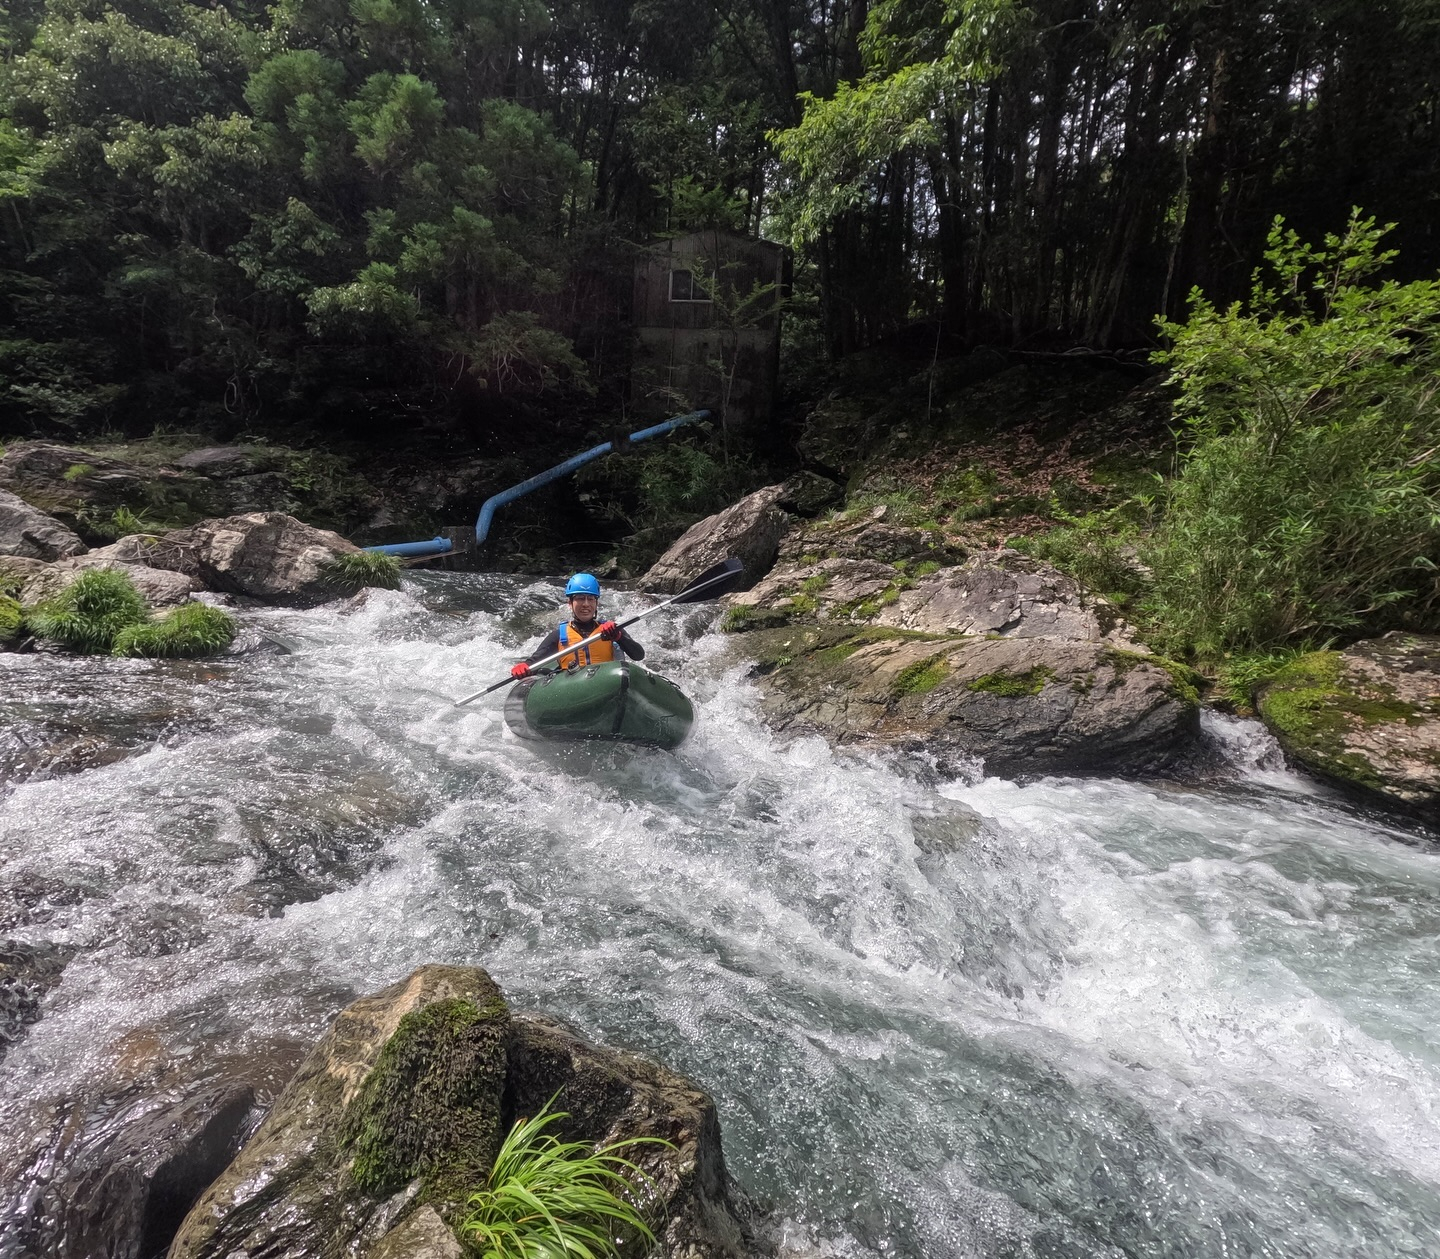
[(617, 700)]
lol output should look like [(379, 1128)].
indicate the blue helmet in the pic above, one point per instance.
[(582, 584)]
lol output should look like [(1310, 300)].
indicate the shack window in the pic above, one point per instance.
[(684, 289)]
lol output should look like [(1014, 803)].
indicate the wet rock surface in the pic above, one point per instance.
[(319, 1178), (1022, 706), (1367, 718), (27, 973), (750, 530)]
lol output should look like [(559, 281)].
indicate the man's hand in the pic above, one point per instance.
[(610, 632), (521, 670)]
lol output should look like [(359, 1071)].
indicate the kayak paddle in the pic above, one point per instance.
[(711, 584)]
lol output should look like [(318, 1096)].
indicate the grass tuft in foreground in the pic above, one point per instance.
[(552, 1199), (193, 629), (89, 613), (356, 570), (11, 618)]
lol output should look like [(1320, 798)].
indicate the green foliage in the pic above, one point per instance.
[(1097, 550), (91, 612), (1011, 685), (430, 1106), (742, 617), (552, 1199), (356, 570), (78, 471), (673, 482), (1309, 501), (12, 618), (1243, 673), (921, 678), (193, 629)]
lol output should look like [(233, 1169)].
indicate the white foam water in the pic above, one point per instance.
[(1063, 1018)]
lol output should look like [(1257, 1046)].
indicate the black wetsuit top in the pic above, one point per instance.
[(552, 642)]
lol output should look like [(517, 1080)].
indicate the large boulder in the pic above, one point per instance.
[(1022, 706), (1367, 718), (29, 533), (266, 555), (749, 530), (398, 1111)]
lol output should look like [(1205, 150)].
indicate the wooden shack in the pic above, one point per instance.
[(707, 314)]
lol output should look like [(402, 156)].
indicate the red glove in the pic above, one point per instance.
[(610, 632), (521, 670)]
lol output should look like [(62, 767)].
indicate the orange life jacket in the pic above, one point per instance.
[(597, 652)]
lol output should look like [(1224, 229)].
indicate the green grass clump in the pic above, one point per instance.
[(552, 1199), (78, 472), (193, 629), (1096, 550), (1031, 682), (1243, 673), (744, 617), (358, 569), (11, 619), (89, 613), (922, 677)]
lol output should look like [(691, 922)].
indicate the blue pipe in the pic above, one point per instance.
[(409, 550), (496, 501)]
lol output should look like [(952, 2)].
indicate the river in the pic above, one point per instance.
[(940, 1018)]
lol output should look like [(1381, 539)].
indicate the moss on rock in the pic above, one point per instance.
[(11, 619), (1031, 682), (430, 1106), (922, 677)]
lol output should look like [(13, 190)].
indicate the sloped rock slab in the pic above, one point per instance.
[(1011, 595), (1367, 718), (1019, 706), (749, 530)]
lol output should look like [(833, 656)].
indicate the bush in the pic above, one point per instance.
[(193, 629), (551, 1199), (1097, 550), (356, 570), (88, 614), (1309, 501)]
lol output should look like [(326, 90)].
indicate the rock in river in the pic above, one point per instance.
[(398, 1112), (1367, 718), (266, 555), (750, 530), (1021, 705)]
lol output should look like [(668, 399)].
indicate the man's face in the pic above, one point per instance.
[(584, 607)]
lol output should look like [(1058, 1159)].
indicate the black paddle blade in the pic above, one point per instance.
[(712, 583)]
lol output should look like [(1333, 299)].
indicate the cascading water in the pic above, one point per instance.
[(1075, 1018)]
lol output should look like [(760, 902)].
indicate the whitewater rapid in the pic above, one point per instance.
[(940, 1018)]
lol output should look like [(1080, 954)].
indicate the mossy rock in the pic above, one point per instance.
[(1366, 718), (404, 1093)]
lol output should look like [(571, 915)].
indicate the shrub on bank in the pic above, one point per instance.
[(1309, 501), (193, 629), (88, 614)]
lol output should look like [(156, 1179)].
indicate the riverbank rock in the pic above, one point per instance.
[(749, 530), (399, 1109), (161, 588), (28, 533), (1367, 718), (265, 555), (1022, 706)]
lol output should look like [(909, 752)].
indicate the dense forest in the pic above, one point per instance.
[(357, 211)]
